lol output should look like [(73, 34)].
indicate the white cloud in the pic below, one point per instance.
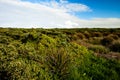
[(64, 5), (16, 13), (101, 23)]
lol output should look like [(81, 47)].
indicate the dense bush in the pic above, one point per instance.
[(118, 34), (99, 49), (115, 46), (113, 36), (73, 37), (106, 41), (58, 62), (45, 54), (5, 39), (97, 34), (80, 36), (94, 68), (95, 40), (87, 34)]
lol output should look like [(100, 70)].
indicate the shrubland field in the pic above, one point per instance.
[(59, 54)]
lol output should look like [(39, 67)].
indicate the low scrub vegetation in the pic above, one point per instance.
[(99, 49), (58, 54), (115, 46)]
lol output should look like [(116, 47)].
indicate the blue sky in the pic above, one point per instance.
[(60, 13), (100, 8)]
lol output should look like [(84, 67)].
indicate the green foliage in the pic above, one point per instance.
[(58, 62), (74, 37), (113, 36), (87, 34), (5, 39), (97, 34), (95, 41), (23, 64), (53, 54), (80, 36), (99, 69), (47, 41), (106, 41), (115, 46), (99, 49)]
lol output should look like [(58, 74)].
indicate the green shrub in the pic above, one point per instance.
[(115, 46), (80, 35), (107, 41), (95, 40), (47, 41), (113, 36), (87, 34), (50, 56), (21, 64), (96, 68), (74, 37), (118, 34), (99, 49), (105, 34), (58, 63), (5, 39), (97, 34)]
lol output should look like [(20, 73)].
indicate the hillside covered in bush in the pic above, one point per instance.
[(59, 54)]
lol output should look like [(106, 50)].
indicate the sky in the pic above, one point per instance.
[(60, 13)]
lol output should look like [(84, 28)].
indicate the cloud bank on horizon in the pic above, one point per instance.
[(50, 14)]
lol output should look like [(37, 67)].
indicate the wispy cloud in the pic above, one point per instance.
[(66, 6), (17, 13)]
